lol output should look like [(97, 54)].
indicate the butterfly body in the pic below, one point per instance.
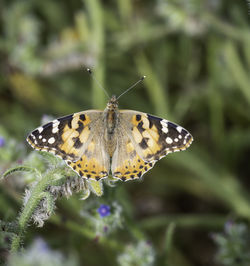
[(111, 123), (94, 142)]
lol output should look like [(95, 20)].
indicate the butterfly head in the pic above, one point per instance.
[(113, 103)]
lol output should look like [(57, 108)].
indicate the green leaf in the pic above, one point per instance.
[(96, 187), (169, 239)]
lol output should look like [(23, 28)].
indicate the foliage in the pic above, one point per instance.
[(233, 245), (40, 254), (196, 57)]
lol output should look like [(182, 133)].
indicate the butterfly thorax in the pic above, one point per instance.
[(111, 118)]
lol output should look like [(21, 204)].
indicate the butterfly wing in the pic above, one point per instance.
[(75, 138), (150, 138), (155, 137), (94, 163), (126, 163)]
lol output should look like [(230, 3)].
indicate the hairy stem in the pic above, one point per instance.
[(29, 208)]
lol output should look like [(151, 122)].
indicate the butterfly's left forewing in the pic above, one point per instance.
[(154, 137)]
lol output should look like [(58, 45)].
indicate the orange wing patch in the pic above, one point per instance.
[(89, 168), (75, 134), (146, 136), (132, 169)]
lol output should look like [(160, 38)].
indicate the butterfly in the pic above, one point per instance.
[(124, 142)]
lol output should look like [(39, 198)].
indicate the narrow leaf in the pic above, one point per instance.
[(22, 168)]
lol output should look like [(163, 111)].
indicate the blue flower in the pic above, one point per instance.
[(2, 141), (104, 210)]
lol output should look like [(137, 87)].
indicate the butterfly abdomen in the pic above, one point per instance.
[(111, 123)]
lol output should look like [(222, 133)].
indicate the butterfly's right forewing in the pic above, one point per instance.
[(78, 140), (64, 136)]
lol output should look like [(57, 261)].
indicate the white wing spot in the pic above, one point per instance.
[(55, 126), (176, 140), (51, 140), (180, 136), (56, 123), (165, 129), (179, 129), (40, 136), (40, 129), (55, 129), (44, 140), (164, 123), (169, 140)]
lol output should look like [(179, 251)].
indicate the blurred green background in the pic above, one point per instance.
[(196, 56)]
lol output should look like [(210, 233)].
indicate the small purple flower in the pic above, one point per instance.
[(2, 141), (104, 210)]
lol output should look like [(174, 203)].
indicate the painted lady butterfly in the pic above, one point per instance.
[(88, 140)]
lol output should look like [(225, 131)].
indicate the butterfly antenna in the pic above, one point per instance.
[(97, 82), (131, 87)]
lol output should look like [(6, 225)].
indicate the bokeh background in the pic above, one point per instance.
[(196, 56)]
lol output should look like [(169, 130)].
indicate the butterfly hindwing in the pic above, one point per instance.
[(126, 163), (94, 162)]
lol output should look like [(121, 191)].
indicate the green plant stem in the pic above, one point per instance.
[(94, 8), (226, 29), (169, 242), (237, 70), (35, 198), (155, 90), (192, 220)]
